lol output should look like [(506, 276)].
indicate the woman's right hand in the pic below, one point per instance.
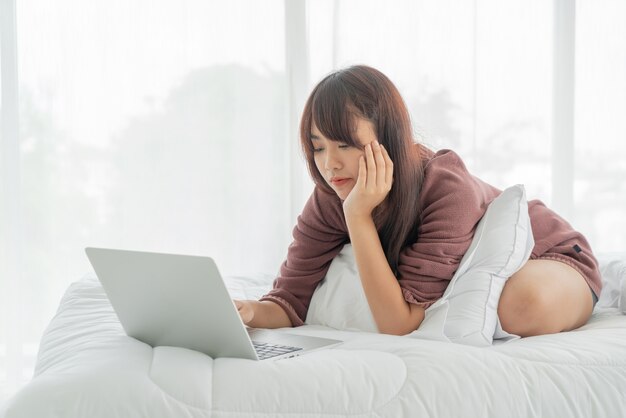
[(245, 309)]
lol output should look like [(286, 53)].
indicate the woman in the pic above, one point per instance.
[(410, 215)]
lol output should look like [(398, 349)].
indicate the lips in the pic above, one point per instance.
[(339, 181)]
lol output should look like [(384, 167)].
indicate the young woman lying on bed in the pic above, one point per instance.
[(410, 215)]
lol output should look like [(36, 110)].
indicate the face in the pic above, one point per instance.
[(338, 162)]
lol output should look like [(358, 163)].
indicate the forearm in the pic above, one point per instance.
[(268, 314), (393, 315)]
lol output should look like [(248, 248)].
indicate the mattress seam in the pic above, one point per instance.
[(400, 390), (169, 395)]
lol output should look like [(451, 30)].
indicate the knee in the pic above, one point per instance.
[(525, 311)]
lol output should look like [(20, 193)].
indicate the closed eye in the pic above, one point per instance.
[(342, 146)]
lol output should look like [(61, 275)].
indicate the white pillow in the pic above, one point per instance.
[(467, 313), (613, 272), (339, 300)]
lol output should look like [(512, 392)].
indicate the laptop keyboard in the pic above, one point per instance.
[(267, 350)]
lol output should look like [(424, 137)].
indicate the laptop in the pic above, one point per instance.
[(182, 301)]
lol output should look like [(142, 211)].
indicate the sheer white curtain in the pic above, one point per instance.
[(530, 92), (173, 126), (143, 125)]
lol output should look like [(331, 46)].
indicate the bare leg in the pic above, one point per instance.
[(544, 297)]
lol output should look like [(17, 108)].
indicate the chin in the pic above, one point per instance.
[(339, 195), (342, 197)]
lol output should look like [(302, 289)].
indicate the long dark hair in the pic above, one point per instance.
[(364, 92)]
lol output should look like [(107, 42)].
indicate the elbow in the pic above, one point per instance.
[(399, 331), (408, 325)]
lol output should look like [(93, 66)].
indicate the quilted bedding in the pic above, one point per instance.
[(88, 367)]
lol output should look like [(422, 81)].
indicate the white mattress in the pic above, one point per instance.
[(88, 367)]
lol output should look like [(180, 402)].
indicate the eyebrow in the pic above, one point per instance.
[(314, 137)]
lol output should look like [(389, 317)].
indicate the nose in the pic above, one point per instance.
[(332, 161)]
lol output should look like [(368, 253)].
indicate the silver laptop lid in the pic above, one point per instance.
[(172, 300)]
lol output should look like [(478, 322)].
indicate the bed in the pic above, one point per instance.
[(88, 367)]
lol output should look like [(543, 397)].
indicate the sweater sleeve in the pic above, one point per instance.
[(452, 202), (318, 237)]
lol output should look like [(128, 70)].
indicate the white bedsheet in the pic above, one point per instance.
[(88, 367)]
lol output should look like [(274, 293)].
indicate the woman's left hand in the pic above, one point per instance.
[(372, 185)]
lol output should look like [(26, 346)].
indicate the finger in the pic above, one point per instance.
[(388, 166), (360, 181), (371, 166), (380, 164)]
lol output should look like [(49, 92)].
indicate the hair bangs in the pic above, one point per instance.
[(334, 114)]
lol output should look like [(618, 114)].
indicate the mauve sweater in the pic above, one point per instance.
[(452, 202)]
